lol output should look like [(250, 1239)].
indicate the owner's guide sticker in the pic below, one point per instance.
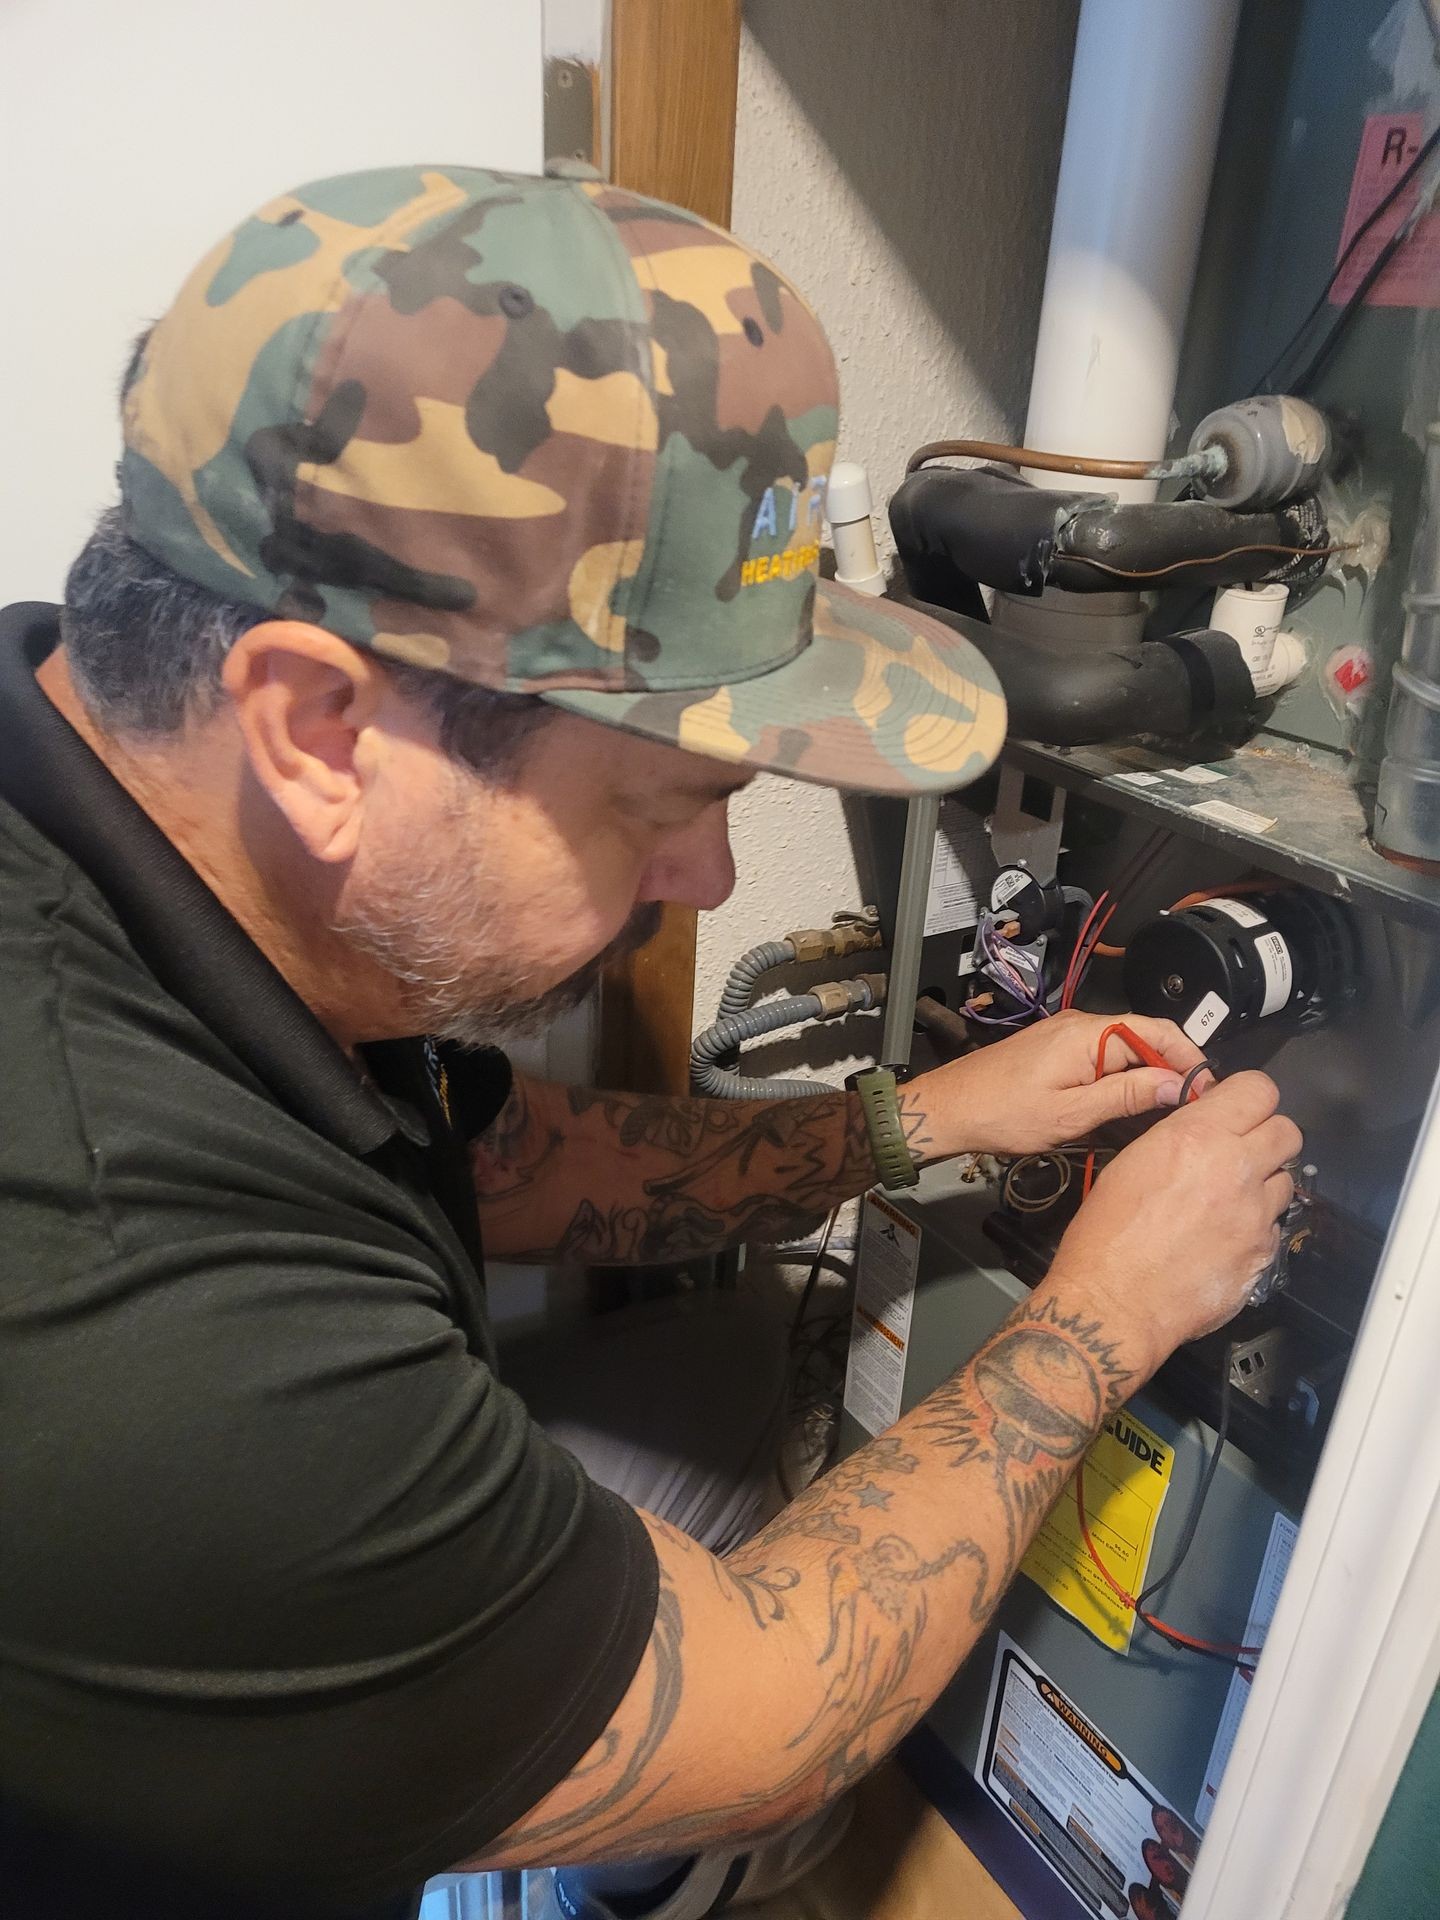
[(880, 1325), (1100, 1826), (1127, 1475)]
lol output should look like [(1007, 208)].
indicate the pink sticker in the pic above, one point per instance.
[(1388, 146)]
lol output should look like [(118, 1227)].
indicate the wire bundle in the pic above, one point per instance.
[(1232, 1654), (1011, 969), (1320, 358), (1104, 911)]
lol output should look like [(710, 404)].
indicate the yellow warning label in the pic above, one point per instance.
[(1127, 1473)]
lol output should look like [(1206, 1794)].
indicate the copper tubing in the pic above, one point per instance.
[(941, 1024), (1046, 462)]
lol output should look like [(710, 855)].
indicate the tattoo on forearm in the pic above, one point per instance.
[(658, 1179), (517, 1147), (839, 1559)]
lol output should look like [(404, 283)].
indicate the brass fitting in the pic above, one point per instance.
[(825, 943), (843, 996), (835, 998)]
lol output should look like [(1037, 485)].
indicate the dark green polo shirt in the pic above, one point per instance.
[(297, 1606)]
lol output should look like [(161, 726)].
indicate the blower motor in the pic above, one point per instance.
[(1227, 964)]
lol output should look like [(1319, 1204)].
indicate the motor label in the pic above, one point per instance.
[(1274, 956), (1237, 911)]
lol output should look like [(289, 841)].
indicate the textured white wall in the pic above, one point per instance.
[(898, 162), (133, 137)]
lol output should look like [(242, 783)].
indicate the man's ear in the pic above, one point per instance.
[(305, 701)]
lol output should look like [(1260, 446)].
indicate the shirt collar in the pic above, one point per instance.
[(192, 944)]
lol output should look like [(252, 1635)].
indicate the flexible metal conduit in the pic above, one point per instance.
[(747, 972), (729, 1034)]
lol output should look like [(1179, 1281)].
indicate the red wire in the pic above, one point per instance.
[(1072, 976), (1128, 1599)]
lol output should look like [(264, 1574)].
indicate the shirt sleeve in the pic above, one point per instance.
[(328, 1611)]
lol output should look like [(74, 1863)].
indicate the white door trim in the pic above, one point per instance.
[(1353, 1656)]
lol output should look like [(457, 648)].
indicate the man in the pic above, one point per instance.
[(465, 565)]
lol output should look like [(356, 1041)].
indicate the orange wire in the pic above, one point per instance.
[(1119, 1031), (1156, 1625), (1197, 900)]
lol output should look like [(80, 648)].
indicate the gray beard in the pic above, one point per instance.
[(451, 997)]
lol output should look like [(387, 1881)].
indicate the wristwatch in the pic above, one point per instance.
[(880, 1104)]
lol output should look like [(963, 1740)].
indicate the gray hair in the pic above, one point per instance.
[(146, 648)]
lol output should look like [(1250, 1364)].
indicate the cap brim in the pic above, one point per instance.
[(883, 700)]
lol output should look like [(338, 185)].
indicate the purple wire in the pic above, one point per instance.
[(1020, 991)]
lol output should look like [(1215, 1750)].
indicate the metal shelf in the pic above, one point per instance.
[(1305, 819)]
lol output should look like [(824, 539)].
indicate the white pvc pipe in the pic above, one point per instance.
[(1146, 95), (848, 507)]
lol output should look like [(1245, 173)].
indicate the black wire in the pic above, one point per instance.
[(1187, 1540), (1313, 367), (812, 1277), (1128, 877), (1262, 385), (1207, 1480), (792, 1345), (1187, 1085)]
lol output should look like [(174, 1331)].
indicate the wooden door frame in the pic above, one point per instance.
[(664, 124)]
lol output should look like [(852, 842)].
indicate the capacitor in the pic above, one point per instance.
[(1226, 964), (1275, 447)]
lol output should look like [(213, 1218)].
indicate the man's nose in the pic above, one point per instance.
[(695, 868)]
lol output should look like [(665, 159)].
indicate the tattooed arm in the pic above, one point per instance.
[(613, 1178), (777, 1677), (617, 1178)]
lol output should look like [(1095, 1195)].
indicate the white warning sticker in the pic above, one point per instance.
[(880, 1323), (1011, 881), (1096, 1821), (1211, 1013), (961, 869), (1274, 957), (1228, 816), (1283, 1535), (1139, 779), (1196, 776), (1237, 911)]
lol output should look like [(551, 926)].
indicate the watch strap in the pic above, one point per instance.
[(880, 1104)]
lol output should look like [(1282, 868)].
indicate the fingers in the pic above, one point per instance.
[(1275, 1144), (1279, 1192), (1241, 1104), (1118, 1095), (1163, 1035)]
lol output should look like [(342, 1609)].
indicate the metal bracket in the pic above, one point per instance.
[(1021, 839)]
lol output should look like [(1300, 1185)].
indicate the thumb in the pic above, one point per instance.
[(1118, 1095)]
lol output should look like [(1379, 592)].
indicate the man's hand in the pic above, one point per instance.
[(1038, 1089), (1182, 1223)]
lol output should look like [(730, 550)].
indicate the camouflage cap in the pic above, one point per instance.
[(547, 436)]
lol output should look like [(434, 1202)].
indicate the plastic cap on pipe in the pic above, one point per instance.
[(847, 508), (847, 498)]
